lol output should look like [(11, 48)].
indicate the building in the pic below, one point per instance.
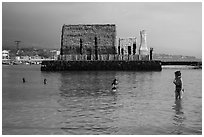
[(55, 54), (127, 46), (29, 59), (22, 58), (5, 55), (95, 39)]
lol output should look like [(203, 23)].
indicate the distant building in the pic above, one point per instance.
[(88, 39), (55, 54), (24, 58), (127, 46), (36, 57), (5, 55)]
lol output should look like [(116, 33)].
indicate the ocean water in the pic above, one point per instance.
[(81, 102)]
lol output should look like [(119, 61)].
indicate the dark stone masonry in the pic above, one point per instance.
[(101, 65), (88, 39)]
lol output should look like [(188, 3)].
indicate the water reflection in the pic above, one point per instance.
[(86, 84), (88, 105), (178, 117)]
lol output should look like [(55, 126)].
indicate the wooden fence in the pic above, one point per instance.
[(104, 57)]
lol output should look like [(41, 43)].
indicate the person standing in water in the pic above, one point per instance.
[(179, 85)]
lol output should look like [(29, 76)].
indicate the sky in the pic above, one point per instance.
[(172, 27)]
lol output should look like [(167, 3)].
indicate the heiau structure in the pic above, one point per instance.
[(143, 44), (88, 39), (127, 46), (93, 47)]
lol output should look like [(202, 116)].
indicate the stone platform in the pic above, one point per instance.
[(62, 65)]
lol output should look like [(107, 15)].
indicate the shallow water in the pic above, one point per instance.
[(82, 102)]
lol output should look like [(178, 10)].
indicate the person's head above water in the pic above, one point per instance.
[(115, 81), (177, 73)]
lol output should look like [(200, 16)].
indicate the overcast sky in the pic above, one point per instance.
[(172, 28)]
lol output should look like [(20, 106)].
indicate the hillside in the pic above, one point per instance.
[(166, 57)]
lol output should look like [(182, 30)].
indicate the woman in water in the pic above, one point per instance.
[(179, 85)]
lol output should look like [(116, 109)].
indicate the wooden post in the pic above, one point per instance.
[(151, 50), (96, 49), (61, 50), (80, 46)]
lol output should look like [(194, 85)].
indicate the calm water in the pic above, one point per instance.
[(81, 102)]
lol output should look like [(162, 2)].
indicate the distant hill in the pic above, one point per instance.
[(7, 47), (166, 57), (29, 51)]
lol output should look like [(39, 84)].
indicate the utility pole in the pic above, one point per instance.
[(17, 45)]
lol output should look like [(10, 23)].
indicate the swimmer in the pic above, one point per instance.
[(23, 80), (45, 81), (115, 82)]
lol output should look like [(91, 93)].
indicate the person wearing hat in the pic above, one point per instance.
[(179, 85)]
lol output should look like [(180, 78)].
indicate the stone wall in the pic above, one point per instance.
[(101, 65), (82, 39)]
